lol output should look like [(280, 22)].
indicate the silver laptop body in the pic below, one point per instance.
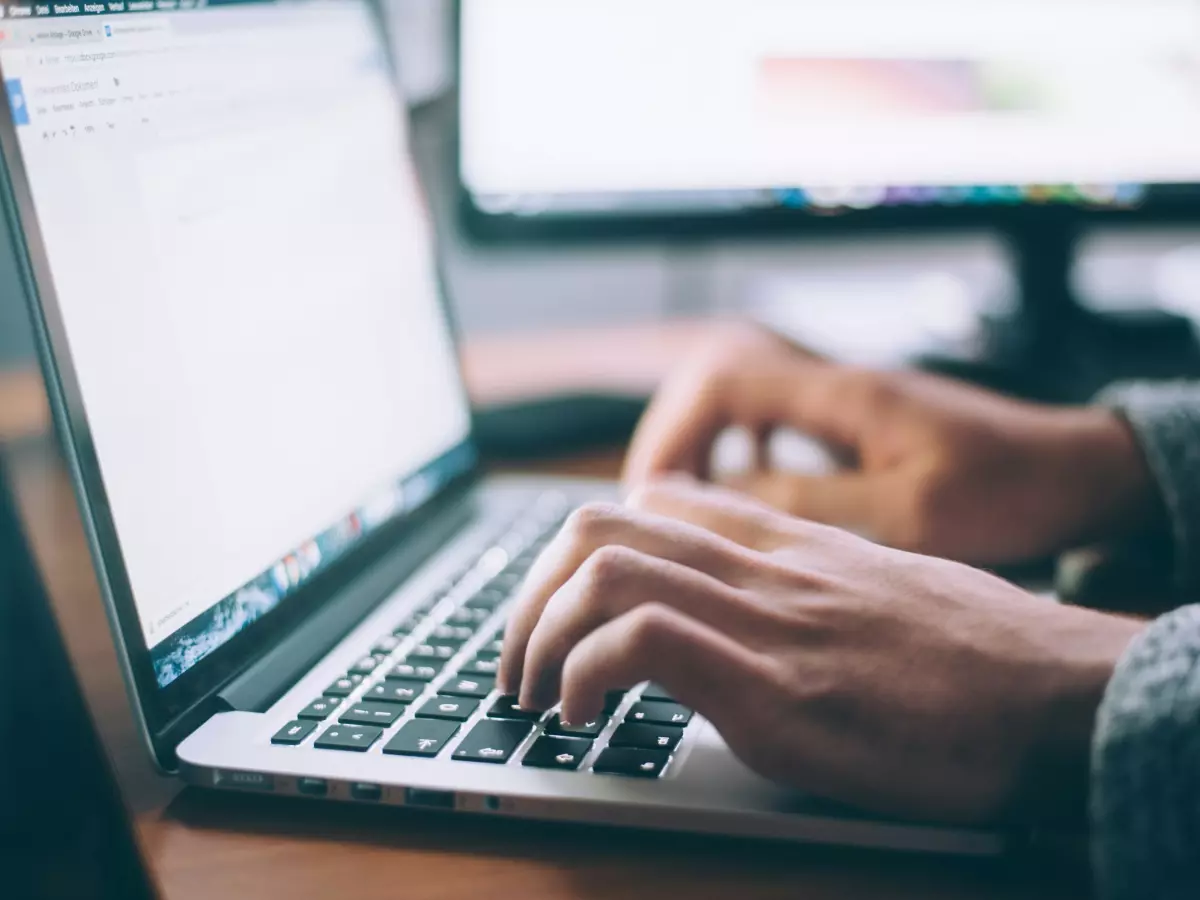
[(254, 378)]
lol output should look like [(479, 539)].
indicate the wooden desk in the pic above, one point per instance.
[(205, 845)]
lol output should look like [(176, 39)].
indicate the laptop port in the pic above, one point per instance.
[(429, 799), (312, 787), (363, 791)]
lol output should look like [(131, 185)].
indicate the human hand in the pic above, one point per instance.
[(932, 465), (898, 683)]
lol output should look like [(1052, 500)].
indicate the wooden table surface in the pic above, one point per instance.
[(204, 845)]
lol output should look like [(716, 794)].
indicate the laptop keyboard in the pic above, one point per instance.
[(427, 688)]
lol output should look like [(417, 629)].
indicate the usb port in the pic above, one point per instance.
[(429, 799), (363, 791), (313, 787)]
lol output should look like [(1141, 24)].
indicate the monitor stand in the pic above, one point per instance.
[(1053, 348)]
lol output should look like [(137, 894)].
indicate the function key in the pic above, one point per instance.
[(557, 753), (646, 737), (506, 708), (576, 729), (636, 763), (657, 692), (381, 714), (492, 741), (654, 712), (407, 671), (356, 738), (319, 710), (366, 665), (386, 645), (481, 667), (421, 737), (293, 733), (344, 686), (454, 709), (396, 691), (477, 686)]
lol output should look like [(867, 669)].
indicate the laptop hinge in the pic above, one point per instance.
[(268, 679)]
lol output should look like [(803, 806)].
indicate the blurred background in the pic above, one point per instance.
[(931, 183)]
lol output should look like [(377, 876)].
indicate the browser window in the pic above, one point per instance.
[(246, 275)]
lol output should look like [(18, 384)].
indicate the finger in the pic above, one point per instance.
[(852, 501), (702, 668), (614, 581), (600, 525), (725, 512), (680, 426)]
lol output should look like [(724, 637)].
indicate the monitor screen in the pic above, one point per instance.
[(245, 277), (607, 106)]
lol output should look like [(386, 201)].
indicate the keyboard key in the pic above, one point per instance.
[(557, 753), (385, 645), (481, 667), (454, 709), (478, 686), (421, 737), (577, 729), (646, 737), (496, 646), (453, 643), (658, 713), (485, 654), (627, 761), (431, 654), (409, 625), (343, 687), (613, 700), (366, 665), (356, 738), (381, 714), (506, 708), (492, 741), (406, 671), (459, 633), (487, 599), (469, 616), (396, 691), (657, 692), (293, 733), (319, 710)]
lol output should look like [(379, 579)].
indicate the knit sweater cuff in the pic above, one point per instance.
[(1165, 418), (1145, 778)]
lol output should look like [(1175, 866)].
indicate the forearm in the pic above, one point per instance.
[(1145, 793)]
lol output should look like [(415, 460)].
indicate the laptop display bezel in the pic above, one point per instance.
[(167, 714)]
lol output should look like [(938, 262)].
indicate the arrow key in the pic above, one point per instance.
[(421, 737)]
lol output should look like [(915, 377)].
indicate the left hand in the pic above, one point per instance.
[(899, 683)]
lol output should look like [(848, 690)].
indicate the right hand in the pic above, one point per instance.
[(934, 466)]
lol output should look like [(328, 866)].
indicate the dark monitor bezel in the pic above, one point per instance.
[(167, 714)]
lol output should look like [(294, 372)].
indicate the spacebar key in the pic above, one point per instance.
[(493, 741)]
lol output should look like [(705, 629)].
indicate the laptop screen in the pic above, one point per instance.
[(246, 280)]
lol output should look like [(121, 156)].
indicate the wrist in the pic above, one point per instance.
[(1100, 465), (1055, 778)]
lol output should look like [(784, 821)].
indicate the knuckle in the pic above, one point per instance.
[(649, 626), (607, 568), (591, 521)]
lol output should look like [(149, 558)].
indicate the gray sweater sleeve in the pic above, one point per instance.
[(1145, 792)]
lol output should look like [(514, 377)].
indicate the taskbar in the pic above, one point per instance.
[(828, 200), (218, 624)]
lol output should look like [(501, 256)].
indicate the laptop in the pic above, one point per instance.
[(235, 289), (63, 829)]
